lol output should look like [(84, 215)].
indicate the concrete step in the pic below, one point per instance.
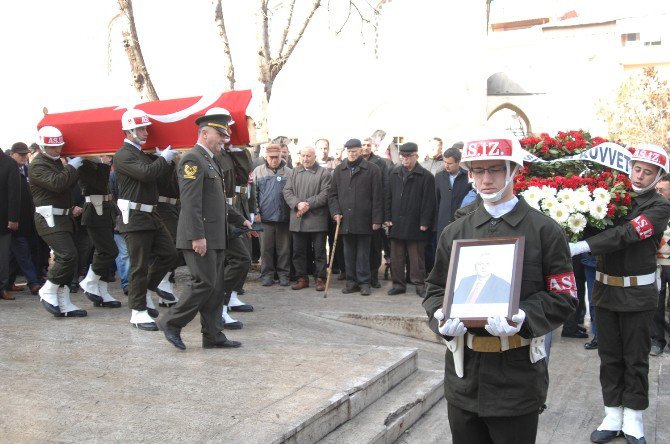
[(346, 405), (385, 420), (405, 325)]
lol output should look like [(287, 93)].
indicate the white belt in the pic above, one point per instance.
[(495, 344), (60, 211), (240, 189), (170, 200), (626, 281), (141, 207), (231, 200), (102, 197)]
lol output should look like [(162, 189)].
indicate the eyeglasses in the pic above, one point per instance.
[(366, 144), (494, 170)]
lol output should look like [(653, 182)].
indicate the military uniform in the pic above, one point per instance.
[(506, 387), (50, 183), (98, 214), (625, 312), (203, 216), (143, 230)]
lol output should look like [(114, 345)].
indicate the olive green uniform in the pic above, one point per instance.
[(624, 313), (150, 247), (50, 183), (94, 180), (506, 384)]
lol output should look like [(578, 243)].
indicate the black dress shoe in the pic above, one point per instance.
[(164, 295), (591, 345), (365, 290), (244, 308), (353, 289), (580, 328), (237, 325), (375, 284), (206, 343), (93, 298), (632, 440), (166, 304), (396, 290), (72, 314), (53, 309), (147, 326), (603, 436), (152, 312), (575, 334), (108, 304), (174, 339)]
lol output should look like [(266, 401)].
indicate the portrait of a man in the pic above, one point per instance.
[(483, 287)]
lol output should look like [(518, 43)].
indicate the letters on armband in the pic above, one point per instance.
[(562, 283), (643, 227)]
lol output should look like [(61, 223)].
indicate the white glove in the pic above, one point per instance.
[(451, 327), (498, 325), (75, 162), (579, 248), (168, 154)]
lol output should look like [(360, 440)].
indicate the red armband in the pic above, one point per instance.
[(643, 227), (562, 283)]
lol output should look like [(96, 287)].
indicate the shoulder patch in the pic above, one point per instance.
[(642, 226), (190, 171)]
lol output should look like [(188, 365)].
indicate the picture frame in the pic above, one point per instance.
[(484, 279)]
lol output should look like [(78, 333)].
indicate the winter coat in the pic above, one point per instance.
[(410, 203), (357, 195), (448, 197), (308, 185), (270, 184)]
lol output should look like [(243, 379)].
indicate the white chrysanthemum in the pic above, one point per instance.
[(598, 209), (583, 190), (534, 204), (532, 194), (566, 196), (582, 202), (601, 195), (559, 213), (576, 222), (548, 192), (548, 203)]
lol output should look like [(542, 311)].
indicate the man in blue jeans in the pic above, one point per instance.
[(122, 259)]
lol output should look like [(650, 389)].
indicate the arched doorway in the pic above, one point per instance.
[(510, 118)]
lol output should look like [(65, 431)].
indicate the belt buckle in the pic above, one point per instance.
[(616, 281), (486, 344)]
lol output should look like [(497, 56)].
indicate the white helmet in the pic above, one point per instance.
[(653, 155), (134, 118), (494, 146), (49, 136)]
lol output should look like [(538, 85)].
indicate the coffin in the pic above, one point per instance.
[(98, 131)]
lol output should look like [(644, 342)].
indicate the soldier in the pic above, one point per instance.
[(501, 358), (98, 217), (625, 296), (50, 183), (200, 235), (141, 226)]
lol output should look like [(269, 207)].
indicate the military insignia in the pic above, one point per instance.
[(190, 171)]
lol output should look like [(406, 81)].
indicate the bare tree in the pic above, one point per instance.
[(230, 68), (141, 80)]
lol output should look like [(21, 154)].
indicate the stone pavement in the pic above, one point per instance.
[(306, 365)]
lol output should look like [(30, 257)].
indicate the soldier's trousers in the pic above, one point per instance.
[(152, 254), (204, 294), (623, 346), (238, 261), (470, 428), (64, 269), (105, 253)]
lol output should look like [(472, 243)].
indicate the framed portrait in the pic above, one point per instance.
[(484, 279)]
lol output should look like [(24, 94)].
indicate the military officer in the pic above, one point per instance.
[(98, 217), (50, 183), (496, 377), (151, 249), (200, 236), (625, 297)]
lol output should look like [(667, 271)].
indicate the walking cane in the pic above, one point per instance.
[(332, 256)]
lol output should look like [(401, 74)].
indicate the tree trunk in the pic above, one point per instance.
[(141, 79), (230, 68)]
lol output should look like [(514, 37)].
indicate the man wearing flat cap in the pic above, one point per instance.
[(202, 236), (355, 201), (410, 216)]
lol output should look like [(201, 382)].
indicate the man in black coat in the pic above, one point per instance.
[(451, 186), (355, 201), (9, 216), (410, 214)]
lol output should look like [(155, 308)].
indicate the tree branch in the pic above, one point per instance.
[(141, 79), (278, 63), (230, 68), (288, 26)]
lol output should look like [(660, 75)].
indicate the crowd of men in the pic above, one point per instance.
[(139, 215)]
